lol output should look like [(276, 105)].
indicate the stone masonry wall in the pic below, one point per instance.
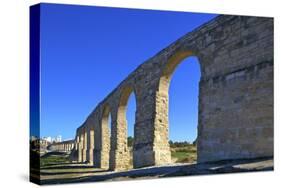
[(235, 117)]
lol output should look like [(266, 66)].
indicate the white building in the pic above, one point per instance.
[(57, 139), (48, 139)]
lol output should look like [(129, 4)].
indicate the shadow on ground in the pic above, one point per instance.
[(85, 173), (65, 166), (81, 172)]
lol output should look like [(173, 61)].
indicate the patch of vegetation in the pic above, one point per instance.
[(181, 152), (130, 141), (185, 153), (181, 144), (53, 159)]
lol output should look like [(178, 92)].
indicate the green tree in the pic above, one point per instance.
[(171, 143), (130, 141)]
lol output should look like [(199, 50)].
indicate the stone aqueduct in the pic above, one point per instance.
[(235, 118), (64, 146)]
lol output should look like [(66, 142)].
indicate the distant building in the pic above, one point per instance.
[(33, 138), (39, 144), (48, 139), (67, 139), (57, 139)]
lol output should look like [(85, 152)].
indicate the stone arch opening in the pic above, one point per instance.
[(106, 120), (169, 69), (170, 151), (125, 143), (131, 118)]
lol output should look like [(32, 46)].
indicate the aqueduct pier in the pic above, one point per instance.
[(235, 117)]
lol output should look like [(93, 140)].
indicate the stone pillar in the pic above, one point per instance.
[(88, 146), (119, 154), (76, 143), (84, 158), (80, 148), (104, 163), (151, 145), (91, 147), (102, 144), (161, 146)]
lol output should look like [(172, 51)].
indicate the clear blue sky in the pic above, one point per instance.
[(87, 51)]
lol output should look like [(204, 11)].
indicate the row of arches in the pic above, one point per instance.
[(112, 145), (223, 113), (62, 146)]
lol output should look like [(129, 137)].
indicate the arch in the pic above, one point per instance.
[(105, 115), (183, 110), (161, 122), (128, 94), (122, 107), (169, 68), (120, 155)]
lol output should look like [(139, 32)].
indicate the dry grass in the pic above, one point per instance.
[(186, 154)]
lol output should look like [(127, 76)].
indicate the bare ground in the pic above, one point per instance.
[(73, 173)]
